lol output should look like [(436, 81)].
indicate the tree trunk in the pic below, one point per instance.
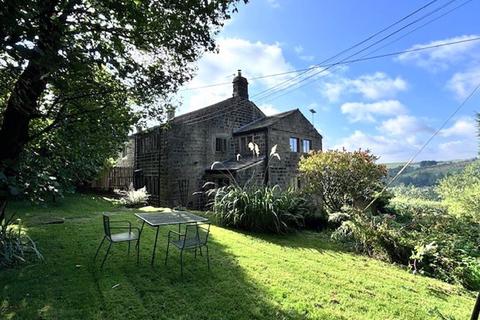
[(476, 309), (22, 104), (21, 107)]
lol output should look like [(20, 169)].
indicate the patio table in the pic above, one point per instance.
[(157, 219)]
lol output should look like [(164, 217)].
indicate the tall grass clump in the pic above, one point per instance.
[(15, 245), (261, 209)]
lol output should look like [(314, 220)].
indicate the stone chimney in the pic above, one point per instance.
[(240, 86)]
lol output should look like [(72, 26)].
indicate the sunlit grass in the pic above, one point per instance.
[(253, 276)]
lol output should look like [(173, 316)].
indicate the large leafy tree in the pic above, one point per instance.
[(66, 63)]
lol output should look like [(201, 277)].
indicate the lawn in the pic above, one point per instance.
[(253, 276)]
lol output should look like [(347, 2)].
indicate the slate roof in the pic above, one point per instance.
[(213, 110), (264, 122), (234, 165)]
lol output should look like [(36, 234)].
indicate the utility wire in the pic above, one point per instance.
[(425, 144), (390, 54), (360, 51), (305, 70), (349, 48)]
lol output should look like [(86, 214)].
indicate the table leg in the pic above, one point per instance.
[(140, 233), (155, 246), (179, 231)]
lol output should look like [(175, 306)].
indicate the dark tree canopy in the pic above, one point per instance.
[(64, 64)]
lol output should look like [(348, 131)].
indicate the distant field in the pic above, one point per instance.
[(425, 173)]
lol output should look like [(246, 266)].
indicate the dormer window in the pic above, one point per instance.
[(220, 145)]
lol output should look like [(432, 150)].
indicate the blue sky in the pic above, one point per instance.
[(389, 105)]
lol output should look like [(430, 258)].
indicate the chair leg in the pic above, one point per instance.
[(166, 254), (195, 253), (96, 253), (138, 250), (128, 251), (106, 254), (208, 258), (201, 253), (181, 262)]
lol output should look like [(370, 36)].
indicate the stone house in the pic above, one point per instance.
[(174, 160)]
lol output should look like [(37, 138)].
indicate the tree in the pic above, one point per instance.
[(61, 60), (460, 192), (342, 178)]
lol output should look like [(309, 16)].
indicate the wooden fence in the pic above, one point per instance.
[(115, 178)]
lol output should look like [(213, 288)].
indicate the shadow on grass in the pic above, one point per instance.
[(69, 286)]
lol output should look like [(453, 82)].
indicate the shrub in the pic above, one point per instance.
[(415, 232), (461, 192), (342, 178), (15, 245), (264, 209), (133, 198), (412, 192), (443, 245)]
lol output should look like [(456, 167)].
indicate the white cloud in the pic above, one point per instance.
[(371, 86), (404, 125), (389, 149), (366, 112), (442, 57), (457, 149), (463, 83), (464, 127), (254, 58), (269, 109), (398, 148)]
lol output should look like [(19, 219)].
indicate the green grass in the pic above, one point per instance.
[(253, 277)]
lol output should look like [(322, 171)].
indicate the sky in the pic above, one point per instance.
[(389, 105)]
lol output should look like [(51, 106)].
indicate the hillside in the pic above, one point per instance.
[(299, 276), (425, 173)]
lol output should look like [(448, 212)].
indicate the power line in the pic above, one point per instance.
[(390, 54), (349, 48), (305, 70), (360, 51), (425, 144)]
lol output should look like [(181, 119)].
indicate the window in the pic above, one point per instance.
[(220, 144), (307, 145), (294, 145)]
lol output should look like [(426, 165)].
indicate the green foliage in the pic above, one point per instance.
[(76, 75), (461, 192), (416, 232), (342, 178), (15, 245), (425, 173), (264, 209), (412, 192)]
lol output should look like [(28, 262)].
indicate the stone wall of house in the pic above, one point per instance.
[(284, 172), (187, 146)]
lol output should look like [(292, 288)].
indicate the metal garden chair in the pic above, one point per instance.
[(194, 238), (127, 236)]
